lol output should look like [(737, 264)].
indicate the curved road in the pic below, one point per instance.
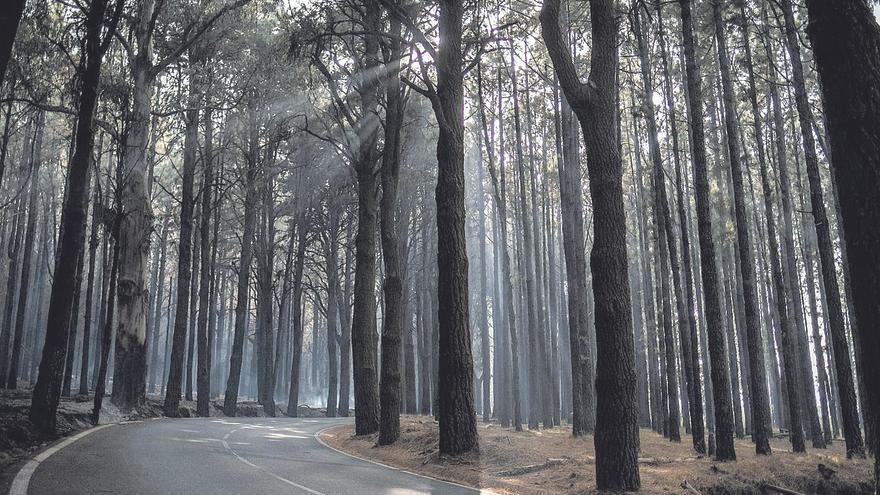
[(212, 456)]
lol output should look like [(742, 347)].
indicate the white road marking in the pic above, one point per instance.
[(482, 491), (251, 464), (23, 478)]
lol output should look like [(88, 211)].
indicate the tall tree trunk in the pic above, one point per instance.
[(595, 104), (724, 449), (9, 21), (297, 315), (542, 329), (485, 349), (189, 367), (203, 378), (689, 340), (74, 322), (343, 303), (331, 270), (500, 196), (129, 384), (846, 45), (457, 417), (573, 239), (244, 269), (537, 387), (29, 238), (185, 262), (97, 212), (107, 332), (265, 255), (157, 314), (785, 323), (788, 261), (363, 329), (47, 390), (851, 431), (758, 397), (668, 250), (393, 317), (647, 278)]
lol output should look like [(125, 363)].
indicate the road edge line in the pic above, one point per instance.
[(317, 435), (21, 482)]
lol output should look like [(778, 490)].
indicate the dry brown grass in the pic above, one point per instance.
[(663, 465)]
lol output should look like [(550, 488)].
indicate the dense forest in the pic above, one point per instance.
[(599, 216)]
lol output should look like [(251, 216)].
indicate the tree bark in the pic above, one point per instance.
[(595, 104), (203, 378), (47, 390), (244, 269), (393, 317), (851, 431), (759, 398), (9, 21), (666, 243), (846, 45), (456, 414), (185, 262), (692, 362), (724, 449)]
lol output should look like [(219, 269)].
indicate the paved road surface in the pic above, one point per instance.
[(214, 456)]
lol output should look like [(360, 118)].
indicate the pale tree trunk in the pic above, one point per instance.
[(130, 365), (29, 238), (107, 331), (543, 328), (297, 311), (499, 189), (647, 279), (537, 387), (153, 369), (193, 299), (485, 350)]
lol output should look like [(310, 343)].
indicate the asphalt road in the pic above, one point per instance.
[(213, 456)]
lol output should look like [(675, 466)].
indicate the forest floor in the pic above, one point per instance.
[(552, 461), (19, 440)]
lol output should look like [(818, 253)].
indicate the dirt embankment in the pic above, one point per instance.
[(552, 461)]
